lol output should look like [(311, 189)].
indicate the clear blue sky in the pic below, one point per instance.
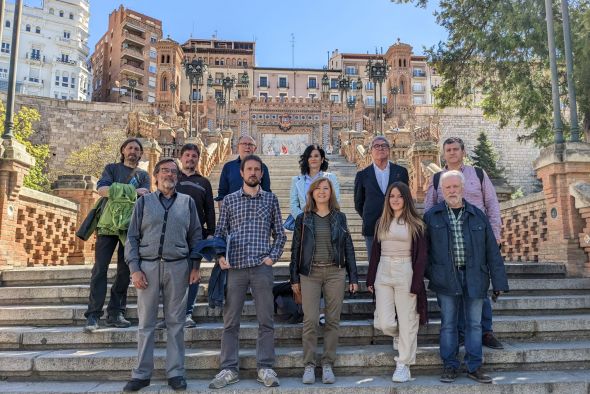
[(318, 25)]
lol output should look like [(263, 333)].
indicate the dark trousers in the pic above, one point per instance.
[(105, 247), (193, 290)]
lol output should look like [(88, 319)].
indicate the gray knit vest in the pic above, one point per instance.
[(164, 234)]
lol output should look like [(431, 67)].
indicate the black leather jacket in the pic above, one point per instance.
[(302, 249)]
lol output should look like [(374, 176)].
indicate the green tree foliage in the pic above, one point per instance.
[(91, 159), (485, 157), (499, 48), (23, 131)]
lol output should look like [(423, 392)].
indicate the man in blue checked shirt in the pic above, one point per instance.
[(248, 219)]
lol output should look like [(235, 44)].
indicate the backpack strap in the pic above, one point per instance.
[(479, 173), (436, 180)]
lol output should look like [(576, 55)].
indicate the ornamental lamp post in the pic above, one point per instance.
[(194, 72), (173, 90), (220, 104), (11, 95), (350, 103), (394, 92), (228, 84), (325, 85), (377, 72), (132, 86)]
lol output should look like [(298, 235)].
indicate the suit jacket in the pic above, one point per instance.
[(298, 196), (368, 197)]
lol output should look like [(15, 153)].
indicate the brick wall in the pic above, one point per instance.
[(524, 227)]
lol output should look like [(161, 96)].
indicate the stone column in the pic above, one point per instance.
[(15, 163), (151, 155), (559, 166), (422, 153), (80, 189)]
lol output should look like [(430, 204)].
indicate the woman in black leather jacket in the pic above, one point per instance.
[(321, 255)]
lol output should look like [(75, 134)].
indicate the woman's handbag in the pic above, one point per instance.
[(289, 223), (89, 224)]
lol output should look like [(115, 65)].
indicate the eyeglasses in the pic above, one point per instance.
[(169, 171), (247, 144), (380, 146)]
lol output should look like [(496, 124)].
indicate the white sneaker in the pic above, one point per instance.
[(309, 374), (268, 377), (402, 373), (327, 374), (224, 378)]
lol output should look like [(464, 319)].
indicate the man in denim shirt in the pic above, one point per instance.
[(247, 221)]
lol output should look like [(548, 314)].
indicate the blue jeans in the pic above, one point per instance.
[(449, 312), (192, 296), (486, 318), (368, 244)]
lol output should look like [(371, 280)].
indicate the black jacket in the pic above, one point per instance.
[(368, 197), (302, 249)]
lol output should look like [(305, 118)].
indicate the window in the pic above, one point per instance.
[(370, 101), (351, 70), (38, 30), (334, 83), (57, 79), (153, 39), (417, 87), (152, 82), (64, 80), (7, 23), (34, 75), (222, 62), (167, 58), (282, 96), (65, 58), (51, 11), (28, 28), (245, 63), (61, 13), (152, 68), (5, 47), (263, 94), (352, 85), (263, 82), (384, 100), (312, 83), (239, 62), (164, 84), (370, 85), (151, 97), (418, 100), (283, 82), (67, 35), (35, 54), (73, 82), (334, 98), (418, 72), (64, 97), (312, 96), (153, 53), (71, 16)]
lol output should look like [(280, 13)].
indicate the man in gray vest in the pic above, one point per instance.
[(162, 236)]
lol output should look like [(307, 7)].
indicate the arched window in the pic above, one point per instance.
[(7, 23), (28, 28), (162, 61), (38, 30), (167, 58), (239, 62), (61, 13), (71, 16), (405, 63), (164, 84), (402, 86), (57, 78), (400, 62)]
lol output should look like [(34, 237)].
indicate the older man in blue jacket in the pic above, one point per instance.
[(463, 257)]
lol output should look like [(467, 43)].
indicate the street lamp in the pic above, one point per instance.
[(394, 92), (343, 86), (194, 72), (228, 84), (377, 72), (173, 90), (325, 85), (10, 97), (350, 103), (220, 104), (132, 86)]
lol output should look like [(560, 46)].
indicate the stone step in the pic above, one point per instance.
[(353, 308), (537, 382), (116, 364), (357, 332), (79, 293), (63, 275)]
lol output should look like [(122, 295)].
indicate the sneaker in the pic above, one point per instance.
[(322, 320), (479, 376), (402, 373), (327, 374), (309, 374), (91, 324), (118, 321), (268, 377), (161, 325), (136, 384), (177, 383), (189, 322), (223, 378), (489, 340), (395, 343), (449, 375)]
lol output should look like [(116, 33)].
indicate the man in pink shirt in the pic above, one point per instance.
[(480, 192)]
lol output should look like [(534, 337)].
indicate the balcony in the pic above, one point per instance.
[(35, 59), (65, 61), (419, 74), (140, 87), (133, 38), (133, 68), (418, 89), (132, 52)]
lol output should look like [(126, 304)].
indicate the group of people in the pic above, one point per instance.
[(455, 246)]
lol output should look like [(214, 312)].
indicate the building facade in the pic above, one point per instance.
[(53, 50), (124, 62)]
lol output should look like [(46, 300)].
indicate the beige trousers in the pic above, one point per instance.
[(393, 298)]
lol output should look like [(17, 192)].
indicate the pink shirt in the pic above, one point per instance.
[(480, 194)]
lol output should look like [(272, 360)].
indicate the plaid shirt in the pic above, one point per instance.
[(457, 233), (246, 223)]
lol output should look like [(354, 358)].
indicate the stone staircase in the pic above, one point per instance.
[(544, 323)]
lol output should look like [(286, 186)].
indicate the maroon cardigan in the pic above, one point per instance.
[(419, 261)]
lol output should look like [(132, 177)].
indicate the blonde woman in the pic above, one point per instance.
[(396, 275), (321, 255)]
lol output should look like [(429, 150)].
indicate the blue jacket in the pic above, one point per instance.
[(231, 181), (483, 258), (299, 196), (209, 248)]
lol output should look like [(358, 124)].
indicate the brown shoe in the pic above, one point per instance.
[(489, 340), (479, 376)]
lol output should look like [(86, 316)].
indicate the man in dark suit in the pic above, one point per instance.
[(371, 184)]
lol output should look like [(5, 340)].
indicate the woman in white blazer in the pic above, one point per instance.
[(313, 163)]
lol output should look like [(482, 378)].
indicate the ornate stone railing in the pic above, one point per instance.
[(524, 227)]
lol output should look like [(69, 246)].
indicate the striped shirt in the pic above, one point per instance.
[(457, 234), (246, 223), (322, 253)]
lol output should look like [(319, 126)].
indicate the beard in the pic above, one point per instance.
[(252, 181), (133, 158), (168, 183)]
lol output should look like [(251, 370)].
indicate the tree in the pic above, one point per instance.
[(91, 159), (486, 158), (499, 48), (23, 131)]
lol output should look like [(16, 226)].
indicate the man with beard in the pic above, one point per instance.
[(199, 188), (230, 179), (124, 172), (248, 219), (161, 243)]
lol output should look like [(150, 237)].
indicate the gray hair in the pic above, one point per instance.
[(453, 173), (378, 138)]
